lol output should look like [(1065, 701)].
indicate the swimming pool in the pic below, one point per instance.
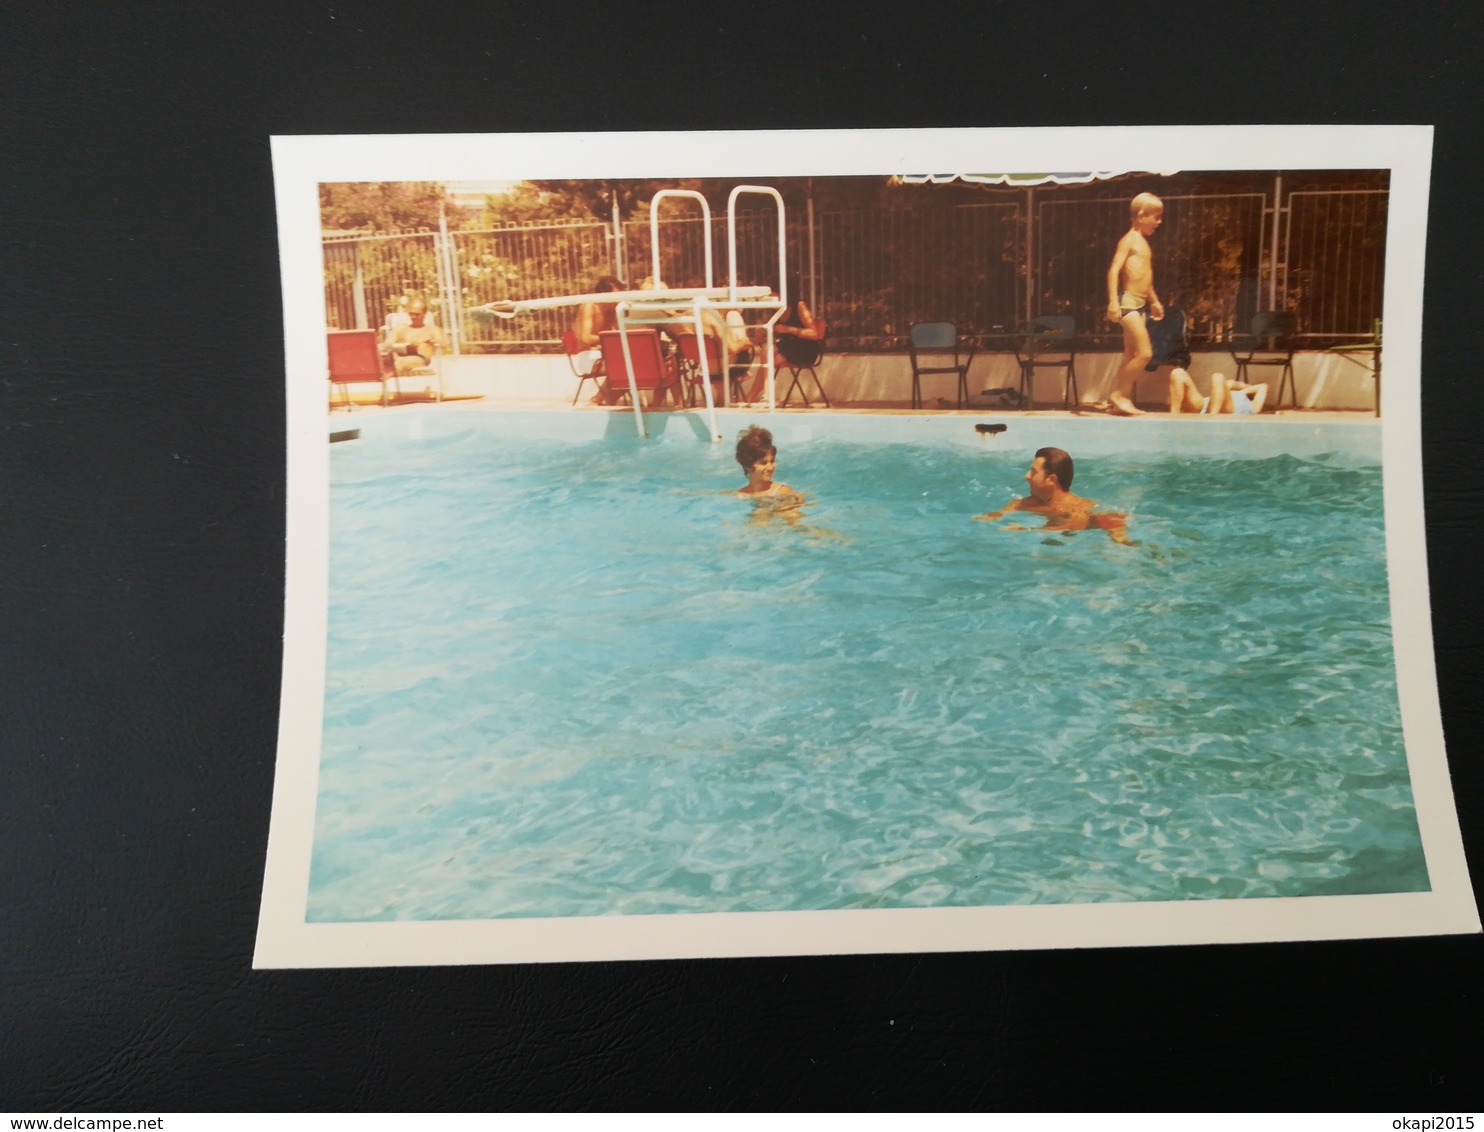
[(567, 676)]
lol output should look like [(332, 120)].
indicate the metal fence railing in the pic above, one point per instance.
[(1328, 235), (520, 262), (364, 276), (883, 271), (872, 273), (1209, 257), (683, 249)]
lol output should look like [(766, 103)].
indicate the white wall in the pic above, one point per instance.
[(1325, 381)]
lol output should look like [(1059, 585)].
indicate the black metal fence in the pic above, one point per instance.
[(871, 273)]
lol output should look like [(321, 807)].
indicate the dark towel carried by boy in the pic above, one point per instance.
[(1167, 338)]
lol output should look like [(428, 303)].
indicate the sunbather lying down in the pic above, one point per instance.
[(1227, 396)]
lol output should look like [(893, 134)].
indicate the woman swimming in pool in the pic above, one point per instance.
[(759, 459)]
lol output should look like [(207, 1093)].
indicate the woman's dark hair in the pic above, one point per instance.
[(753, 443), (607, 283)]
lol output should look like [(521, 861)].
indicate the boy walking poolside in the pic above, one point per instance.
[(1131, 296)]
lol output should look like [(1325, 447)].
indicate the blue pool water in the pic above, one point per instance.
[(572, 678)]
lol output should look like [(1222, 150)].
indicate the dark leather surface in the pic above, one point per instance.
[(141, 452)]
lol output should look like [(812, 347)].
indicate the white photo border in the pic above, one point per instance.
[(301, 163)]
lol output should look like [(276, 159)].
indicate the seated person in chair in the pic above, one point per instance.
[(414, 345), (742, 352), (731, 336), (592, 319), (399, 317), (795, 335)]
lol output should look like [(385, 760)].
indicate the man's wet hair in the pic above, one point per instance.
[(753, 443), (607, 283), (1059, 464)]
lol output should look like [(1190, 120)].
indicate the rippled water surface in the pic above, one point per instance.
[(574, 679)]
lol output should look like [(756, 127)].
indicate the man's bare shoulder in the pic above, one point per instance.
[(1070, 512)]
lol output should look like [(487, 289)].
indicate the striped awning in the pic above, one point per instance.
[(1018, 179)]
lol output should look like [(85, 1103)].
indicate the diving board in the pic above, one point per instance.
[(682, 304), (509, 308)]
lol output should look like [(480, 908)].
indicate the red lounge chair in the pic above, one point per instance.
[(690, 362), (355, 356), (650, 371)]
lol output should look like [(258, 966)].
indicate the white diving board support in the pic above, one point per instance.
[(668, 314), (767, 191), (660, 307), (656, 277), (654, 230), (668, 305), (628, 363)]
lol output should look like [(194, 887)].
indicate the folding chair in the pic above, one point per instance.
[(938, 338), (650, 371), (1270, 343), (355, 357), (805, 363), (425, 367), (690, 364), (1054, 334), (587, 365)]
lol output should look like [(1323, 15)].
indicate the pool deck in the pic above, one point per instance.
[(1301, 433), (371, 404)]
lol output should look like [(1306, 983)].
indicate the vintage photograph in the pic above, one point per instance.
[(854, 557)]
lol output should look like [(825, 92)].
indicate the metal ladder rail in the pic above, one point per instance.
[(663, 319), (768, 191), (654, 229)]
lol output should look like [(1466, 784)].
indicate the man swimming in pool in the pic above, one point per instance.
[(1049, 479)]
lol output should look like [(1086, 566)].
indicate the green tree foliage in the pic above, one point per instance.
[(382, 206), (529, 202), (597, 196)]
